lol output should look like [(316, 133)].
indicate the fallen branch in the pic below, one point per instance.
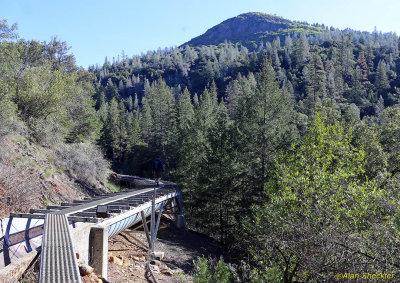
[(151, 271), (135, 241)]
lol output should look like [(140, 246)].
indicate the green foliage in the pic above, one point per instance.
[(219, 187), (207, 271), (158, 120), (8, 67), (321, 207), (315, 79), (376, 159), (381, 79), (266, 274), (113, 187), (265, 125), (43, 92), (389, 136), (222, 273), (319, 191), (7, 32), (202, 269), (41, 85), (56, 105), (8, 116)]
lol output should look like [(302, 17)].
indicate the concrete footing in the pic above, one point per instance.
[(180, 221), (98, 250)]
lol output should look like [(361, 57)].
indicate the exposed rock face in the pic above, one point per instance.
[(249, 27), (246, 24), (31, 176)]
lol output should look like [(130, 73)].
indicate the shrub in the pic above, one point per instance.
[(85, 161), (47, 131), (8, 118), (208, 270), (19, 186)]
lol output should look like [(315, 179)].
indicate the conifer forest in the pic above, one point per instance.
[(286, 146)]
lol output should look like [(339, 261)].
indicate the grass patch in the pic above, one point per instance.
[(51, 158), (113, 187), (47, 173)]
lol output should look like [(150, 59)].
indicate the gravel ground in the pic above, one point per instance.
[(129, 256)]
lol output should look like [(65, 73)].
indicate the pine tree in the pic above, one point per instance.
[(346, 56), (111, 91), (115, 130), (205, 112), (189, 149), (158, 116), (315, 78), (129, 103), (264, 123), (214, 94), (146, 121), (133, 131), (301, 52), (331, 81), (275, 57), (232, 93), (357, 92), (185, 112), (220, 186), (379, 106), (102, 113), (196, 100), (136, 103), (363, 67), (381, 79)]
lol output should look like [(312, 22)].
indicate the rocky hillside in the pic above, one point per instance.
[(250, 29), (32, 176)]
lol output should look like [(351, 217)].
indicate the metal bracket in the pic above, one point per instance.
[(28, 247)]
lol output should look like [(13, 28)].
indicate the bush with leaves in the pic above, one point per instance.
[(207, 270), (84, 161), (56, 105), (323, 215)]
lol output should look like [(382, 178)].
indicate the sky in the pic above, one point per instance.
[(95, 29)]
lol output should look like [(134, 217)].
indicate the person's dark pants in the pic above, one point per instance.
[(157, 176)]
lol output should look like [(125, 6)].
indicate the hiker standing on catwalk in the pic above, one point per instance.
[(158, 169)]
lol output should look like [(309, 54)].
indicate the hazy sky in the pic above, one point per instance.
[(98, 28)]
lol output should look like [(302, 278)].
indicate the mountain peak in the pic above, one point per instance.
[(250, 28)]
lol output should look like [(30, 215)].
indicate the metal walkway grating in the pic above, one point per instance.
[(58, 263)]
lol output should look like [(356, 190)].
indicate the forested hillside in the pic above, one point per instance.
[(48, 125), (287, 154), (284, 139)]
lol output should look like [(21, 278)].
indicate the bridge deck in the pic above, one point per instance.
[(58, 262)]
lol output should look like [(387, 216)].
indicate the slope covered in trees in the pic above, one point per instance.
[(48, 125), (285, 152)]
